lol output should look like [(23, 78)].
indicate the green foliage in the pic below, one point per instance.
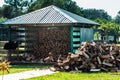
[(118, 44), (1, 11), (117, 19), (8, 11), (19, 7), (114, 28), (100, 21), (109, 28), (94, 14), (15, 7), (71, 6), (78, 76), (68, 5), (97, 36), (17, 4), (2, 19)]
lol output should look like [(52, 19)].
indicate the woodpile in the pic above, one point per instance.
[(91, 56), (51, 40)]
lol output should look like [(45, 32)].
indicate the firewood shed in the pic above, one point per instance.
[(51, 29)]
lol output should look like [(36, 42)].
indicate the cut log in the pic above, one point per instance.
[(114, 69), (92, 56), (85, 55), (94, 70), (104, 69), (105, 56), (118, 60), (111, 55), (99, 61), (107, 64)]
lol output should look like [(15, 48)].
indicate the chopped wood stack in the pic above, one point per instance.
[(51, 40), (91, 56)]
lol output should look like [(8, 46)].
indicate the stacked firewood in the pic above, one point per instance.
[(91, 56), (51, 40)]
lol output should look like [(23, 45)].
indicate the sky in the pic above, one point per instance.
[(110, 6), (1, 2)]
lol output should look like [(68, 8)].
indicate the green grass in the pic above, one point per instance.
[(21, 68), (79, 76), (118, 44)]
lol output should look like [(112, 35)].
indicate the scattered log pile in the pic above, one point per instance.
[(91, 56)]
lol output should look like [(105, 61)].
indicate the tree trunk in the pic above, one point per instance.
[(116, 39)]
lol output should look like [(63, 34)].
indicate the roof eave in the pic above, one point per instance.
[(53, 24)]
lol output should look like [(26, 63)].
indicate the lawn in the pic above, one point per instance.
[(79, 76), (21, 68), (118, 44)]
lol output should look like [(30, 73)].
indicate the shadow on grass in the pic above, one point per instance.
[(29, 66)]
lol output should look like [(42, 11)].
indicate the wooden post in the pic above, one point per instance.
[(71, 38), (9, 34), (9, 39)]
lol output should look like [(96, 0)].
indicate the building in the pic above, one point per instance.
[(52, 29)]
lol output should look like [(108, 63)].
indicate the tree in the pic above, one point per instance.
[(68, 5), (72, 7), (8, 11), (109, 28), (97, 36), (117, 19), (94, 14), (18, 6), (2, 19), (114, 30), (1, 10)]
